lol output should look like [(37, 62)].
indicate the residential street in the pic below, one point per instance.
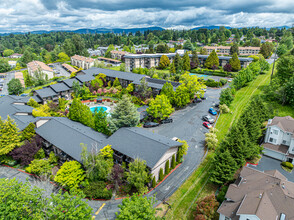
[(9, 76)]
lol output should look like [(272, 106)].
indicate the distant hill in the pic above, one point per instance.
[(93, 31), (210, 27)]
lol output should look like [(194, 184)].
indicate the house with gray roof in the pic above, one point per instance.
[(133, 142), (279, 139), (257, 195), (46, 94)]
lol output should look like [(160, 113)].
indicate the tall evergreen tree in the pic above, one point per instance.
[(125, 114), (167, 168), (81, 113), (195, 61), (178, 63), (186, 62), (164, 62), (172, 69), (224, 168), (9, 136), (235, 62), (28, 132), (168, 91), (212, 60), (234, 49), (100, 122)]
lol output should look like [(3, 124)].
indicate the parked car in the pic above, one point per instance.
[(150, 124), (208, 119), (207, 125), (215, 105), (196, 100), (212, 111), (203, 97), (167, 120)]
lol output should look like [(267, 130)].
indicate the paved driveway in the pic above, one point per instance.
[(9, 76), (268, 163), (61, 71)]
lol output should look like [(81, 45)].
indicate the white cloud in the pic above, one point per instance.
[(30, 15)]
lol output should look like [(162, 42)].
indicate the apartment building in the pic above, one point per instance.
[(82, 62), (115, 54), (225, 50), (279, 139), (133, 61), (38, 66), (257, 195)]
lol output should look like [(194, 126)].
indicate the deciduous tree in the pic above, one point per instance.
[(212, 60), (15, 87), (160, 107), (164, 62)]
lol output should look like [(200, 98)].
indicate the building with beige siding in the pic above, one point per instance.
[(82, 62), (38, 66), (225, 50), (116, 54)]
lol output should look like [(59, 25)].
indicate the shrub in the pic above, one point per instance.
[(70, 174), (212, 83), (160, 174), (222, 193), (223, 81), (206, 207), (97, 190), (153, 182), (287, 164), (167, 167), (173, 162), (226, 97), (52, 158), (224, 109), (39, 167), (40, 154)]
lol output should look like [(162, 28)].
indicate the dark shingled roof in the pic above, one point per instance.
[(60, 87), (139, 143), (45, 92), (85, 78), (67, 135), (157, 83), (70, 81), (8, 108), (113, 73)]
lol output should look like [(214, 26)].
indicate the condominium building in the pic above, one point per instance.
[(115, 54), (152, 60), (225, 50), (38, 66), (82, 62)]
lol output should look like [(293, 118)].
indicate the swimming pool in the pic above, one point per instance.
[(104, 108)]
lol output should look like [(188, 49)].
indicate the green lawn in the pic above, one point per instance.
[(242, 97)]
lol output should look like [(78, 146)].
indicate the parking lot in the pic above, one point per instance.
[(4, 81), (59, 70), (268, 163)]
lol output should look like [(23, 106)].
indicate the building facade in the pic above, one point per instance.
[(35, 67), (148, 61), (82, 62), (225, 50), (116, 54), (279, 139)]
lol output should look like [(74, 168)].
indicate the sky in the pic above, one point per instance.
[(33, 15)]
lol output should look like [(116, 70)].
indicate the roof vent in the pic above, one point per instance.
[(260, 195), (244, 181)]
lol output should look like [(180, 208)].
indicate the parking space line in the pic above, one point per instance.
[(96, 213)]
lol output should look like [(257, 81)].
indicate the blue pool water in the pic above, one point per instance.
[(204, 76), (104, 108)]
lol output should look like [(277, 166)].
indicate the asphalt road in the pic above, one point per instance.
[(9, 76)]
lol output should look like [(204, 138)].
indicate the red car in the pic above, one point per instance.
[(207, 125)]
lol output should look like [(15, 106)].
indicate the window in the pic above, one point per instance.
[(273, 140), (276, 132), (284, 142)]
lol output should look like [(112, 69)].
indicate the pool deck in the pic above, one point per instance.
[(110, 106)]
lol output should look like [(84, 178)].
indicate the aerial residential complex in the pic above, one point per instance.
[(64, 137), (225, 50), (63, 89), (38, 66), (279, 139), (259, 195), (152, 60), (82, 62)]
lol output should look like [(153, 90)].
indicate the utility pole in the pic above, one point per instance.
[(275, 55)]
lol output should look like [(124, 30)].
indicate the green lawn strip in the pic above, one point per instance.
[(242, 97), (187, 190)]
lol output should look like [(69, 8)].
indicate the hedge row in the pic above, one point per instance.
[(213, 83)]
